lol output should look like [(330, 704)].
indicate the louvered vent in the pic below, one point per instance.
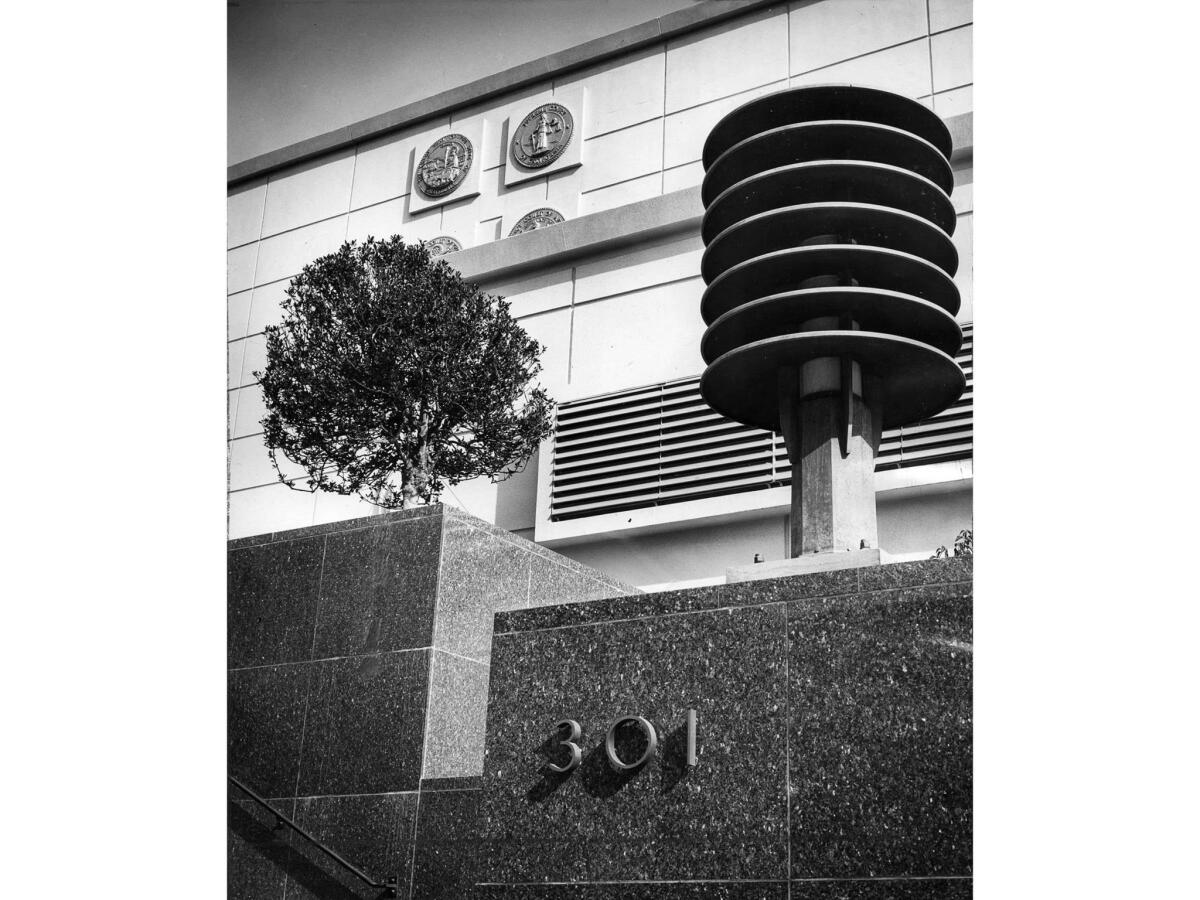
[(663, 444)]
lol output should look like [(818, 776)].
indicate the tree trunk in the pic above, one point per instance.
[(413, 488), (416, 478)]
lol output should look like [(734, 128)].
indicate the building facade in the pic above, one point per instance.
[(640, 480)]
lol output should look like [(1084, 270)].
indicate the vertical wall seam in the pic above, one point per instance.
[(787, 738), (437, 596), (571, 327), (350, 198), (314, 668), (929, 47), (787, 75), (412, 852), (662, 166), (253, 284)]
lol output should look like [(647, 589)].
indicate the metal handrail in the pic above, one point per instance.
[(388, 885)]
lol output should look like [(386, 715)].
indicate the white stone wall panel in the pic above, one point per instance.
[(621, 194), (831, 31), (636, 268), (622, 155), (308, 192), (952, 58), (902, 70), (621, 92), (265, 509), (244, 212), (609, 355), (727, 58), (284, 255), (383, 169), (686, 131), (239, 268), (238, 313), (944, 14)]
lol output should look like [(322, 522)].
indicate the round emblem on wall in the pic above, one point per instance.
[(539, 218), (444, 165), (442, 244), (543, 135)]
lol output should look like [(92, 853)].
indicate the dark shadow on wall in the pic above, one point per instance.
[(275, 846), (674, 758), (599, 778), (551, 781)]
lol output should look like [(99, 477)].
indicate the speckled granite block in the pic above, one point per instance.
[(374, 832), (609, 609), (552, 582), (447, 856), (880, 738), (915, 574), (365, 727), (352, 677), (265, 725), (479, 574), (703, 890), (272, 602), (724, 819), (884, 889), (456, 716), (772, 590), (293, 534), (378, 588), (876, 745), (257, 852)]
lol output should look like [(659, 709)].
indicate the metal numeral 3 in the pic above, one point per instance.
[(572, 737)]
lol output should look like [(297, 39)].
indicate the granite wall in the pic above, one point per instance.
[(358, 657), (834, 742)]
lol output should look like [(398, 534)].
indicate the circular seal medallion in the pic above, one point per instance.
[(444, 165), (442, 244), (543, 135), (539, 218)]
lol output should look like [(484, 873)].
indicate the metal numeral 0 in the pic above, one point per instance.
[(572, 737), (610, 742)]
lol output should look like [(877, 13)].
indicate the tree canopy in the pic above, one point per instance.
[(391, 377)]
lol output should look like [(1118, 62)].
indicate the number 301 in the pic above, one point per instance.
[(573, 732)]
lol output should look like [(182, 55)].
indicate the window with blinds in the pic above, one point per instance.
[(662, 444)]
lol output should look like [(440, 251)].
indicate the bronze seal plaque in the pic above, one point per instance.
[(444, 165), (442, 244), (543, 135), (538, 218)]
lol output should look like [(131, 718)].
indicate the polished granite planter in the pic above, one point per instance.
[(358, 658), (833, 741)]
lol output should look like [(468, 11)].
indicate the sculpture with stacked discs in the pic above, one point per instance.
[(830, 299)]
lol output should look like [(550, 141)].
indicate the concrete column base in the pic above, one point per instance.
[(804, 565)]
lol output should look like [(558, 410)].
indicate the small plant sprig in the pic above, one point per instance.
[(964, 545)]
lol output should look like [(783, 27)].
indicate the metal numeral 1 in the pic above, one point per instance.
[(691, 738)]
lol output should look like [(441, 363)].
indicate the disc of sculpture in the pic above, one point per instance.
[(830, 298)]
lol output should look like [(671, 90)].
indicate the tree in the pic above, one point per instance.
[(391, 377)]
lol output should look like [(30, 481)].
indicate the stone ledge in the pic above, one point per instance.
[(599, 232), (808, 564), (889, 577)]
